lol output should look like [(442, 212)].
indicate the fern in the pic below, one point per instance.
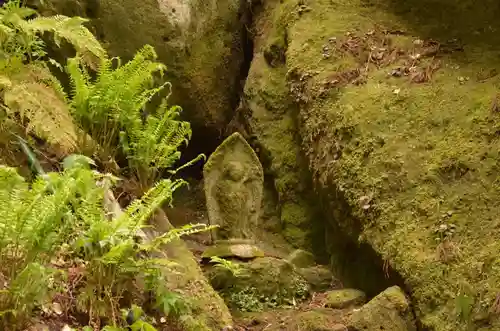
[(21, 35), (111, 110), (58, 209)]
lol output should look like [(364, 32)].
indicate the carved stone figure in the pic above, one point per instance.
[(233, 188)]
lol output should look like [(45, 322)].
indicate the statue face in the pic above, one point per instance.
[(235, 171)]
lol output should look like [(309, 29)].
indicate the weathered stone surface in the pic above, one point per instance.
[(233, 179), (390, 311), (344, 298), (200, 41), (301, 259), (244, 251)]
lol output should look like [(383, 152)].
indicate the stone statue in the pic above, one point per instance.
[(233, 189)]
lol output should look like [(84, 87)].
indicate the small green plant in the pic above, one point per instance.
[(245, 300), (234, 268)]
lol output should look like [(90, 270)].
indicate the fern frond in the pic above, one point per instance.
[(72, 30), (14, 8), (44, 112)]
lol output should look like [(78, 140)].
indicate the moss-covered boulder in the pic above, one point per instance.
[(301, 259), (200, 41), (390, 311), (265, 281), (319, 278), (397, 110), (241, 251), (344, 298)]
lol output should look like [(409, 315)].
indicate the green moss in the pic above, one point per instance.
[(208, 308), (317, 320), (319, 278), (392, 157), (273, 123)]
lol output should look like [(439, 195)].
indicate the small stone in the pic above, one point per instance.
[(326, 56), (332, 39), (397, 72), (66, 327), (418, 42), (339, 299), (56, 308), (163, 320)]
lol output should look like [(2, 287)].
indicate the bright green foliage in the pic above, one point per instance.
[(233, 267), (61, 215), (20, 34), (111, 109), (31, 94)]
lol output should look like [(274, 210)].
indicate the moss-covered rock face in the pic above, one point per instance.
[(301, 259), (200, 42), (343, 298), (399, 123), (389, 311), (263, 282), (271, 122)]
